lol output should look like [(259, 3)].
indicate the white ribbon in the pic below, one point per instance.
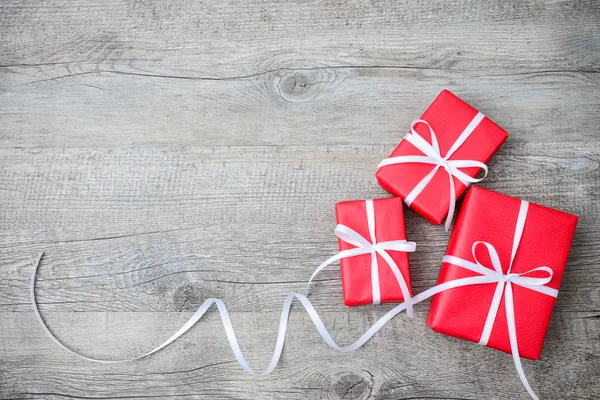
[(504, 287), (363, 246), (229, 332), (433, 156)]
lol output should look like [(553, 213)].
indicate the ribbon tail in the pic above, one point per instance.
[(281, 332), (400, 279), (451, 204), (375, 288), (491, 317), (512, 335)]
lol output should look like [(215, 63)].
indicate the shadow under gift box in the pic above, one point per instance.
[(356, 271), (491, 217), (448, 115)]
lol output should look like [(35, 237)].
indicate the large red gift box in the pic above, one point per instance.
[(448, 116), (546, 239), (356, 271)]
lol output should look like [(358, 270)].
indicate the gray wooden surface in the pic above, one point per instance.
[(164, 152)]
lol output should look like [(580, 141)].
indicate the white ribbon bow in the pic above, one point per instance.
[(363, 246), (433, 156), (504, 287)]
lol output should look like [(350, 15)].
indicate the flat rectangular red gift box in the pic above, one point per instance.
[(448, 116), (356, 271), (491, 217)]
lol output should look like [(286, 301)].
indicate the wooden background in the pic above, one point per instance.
[(164, 152)]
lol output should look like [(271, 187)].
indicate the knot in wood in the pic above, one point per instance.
[(190, 295), (300, 85), (348, 386)]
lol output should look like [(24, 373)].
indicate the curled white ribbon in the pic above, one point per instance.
[(229, 332), (363, 246), (504, 287), (433, 156)]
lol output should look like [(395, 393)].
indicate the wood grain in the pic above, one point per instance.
[(160, 153)]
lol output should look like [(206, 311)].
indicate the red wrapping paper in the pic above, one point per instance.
[(356, 271), (448, 116), (490, 216)]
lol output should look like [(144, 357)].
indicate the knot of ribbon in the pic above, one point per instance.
[(432, 155), (364, 246)]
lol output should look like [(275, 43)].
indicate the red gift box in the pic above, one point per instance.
[(356, 271), (545, 241), (449, 117)]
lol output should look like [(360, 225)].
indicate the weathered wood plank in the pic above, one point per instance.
[(86, 78), (398, 362), (87, 106), (161, 153), (239, 37)]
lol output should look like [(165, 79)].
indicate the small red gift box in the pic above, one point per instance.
[(358, 276), (532, 243), (450, 121)]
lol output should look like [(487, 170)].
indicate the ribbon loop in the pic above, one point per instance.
[(430, 149), (522, 278), (433, 156), (492, 253), (350, 236), (456, 164), (398, 245)]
